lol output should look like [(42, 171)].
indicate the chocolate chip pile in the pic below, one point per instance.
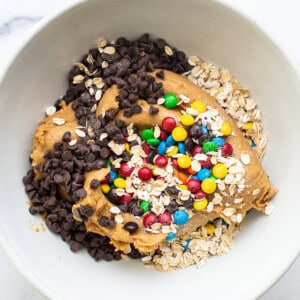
[(125, 64)]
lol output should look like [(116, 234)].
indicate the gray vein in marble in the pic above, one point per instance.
[(17, 22)]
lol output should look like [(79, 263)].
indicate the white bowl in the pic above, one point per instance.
[(265, 247)]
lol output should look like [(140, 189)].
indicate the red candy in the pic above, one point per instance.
[(164, 218), (145, 173), (168, 124), (200, 194), (197, 150), (106, 179), (146, 148), (126, 198), (125, 170), (226, 150), (159, 177), (149, 219), (163, 135), (161, 161), (194, 185), (206, 163), (175, 164)]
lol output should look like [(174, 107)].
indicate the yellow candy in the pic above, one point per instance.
[(184, 161), (183, 186), (219, 171), (210, 228), (187, 120), (105, 188), (179, 134), (199, 106), (248, 126), (120, 183), (208, 186), (155, 170), (174, 151), (200, 204), (226, 128), (127, 147)]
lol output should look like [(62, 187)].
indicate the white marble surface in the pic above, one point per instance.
[(279, 18)]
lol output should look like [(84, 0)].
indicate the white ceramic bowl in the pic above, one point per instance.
[(37, 76)]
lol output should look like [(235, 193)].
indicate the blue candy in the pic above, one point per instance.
[(218, 141), (112, 176), (180, 217), (162, 148), (203, 173), (186, 246), (204, 129), (181, 148), (195, 177), (170, 141), (224, 223), (253, 144), (170, 236)]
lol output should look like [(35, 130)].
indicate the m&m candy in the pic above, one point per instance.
[(179, 134), (180, 217), (168, 124), (171, 100), (208, 185), (145, 173)]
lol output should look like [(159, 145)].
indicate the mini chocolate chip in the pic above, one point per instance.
[(160, 74), (58, 146), (110, 114), (128, 113), (153, 110), (95, 148), (81, 193), (151, 100), (103, 221), (136, 109), (95, 123), (94, 183), (136, 210), (195, 131), (104, 153), (67, 155), (58, 178), (120, 123), (189, 144), (171, 207), (90, 157), (131, 227), (172, 190), (113, 197), (86, 211), (112, 129), (189, 203), (66, 137), (110, 224)]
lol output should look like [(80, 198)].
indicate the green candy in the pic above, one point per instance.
[(153, 141), (209, 147), (108, 163), (145, 205), (213, 177), (147, 134), (171, 100)]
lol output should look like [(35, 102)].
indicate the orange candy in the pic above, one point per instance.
[(181, 176), (191, 171)]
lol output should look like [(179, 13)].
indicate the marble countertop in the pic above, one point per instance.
[(280, 19)]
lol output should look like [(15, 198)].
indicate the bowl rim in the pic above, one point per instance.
[(39, 27)]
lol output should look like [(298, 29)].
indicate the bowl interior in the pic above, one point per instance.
[(217, 34)]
